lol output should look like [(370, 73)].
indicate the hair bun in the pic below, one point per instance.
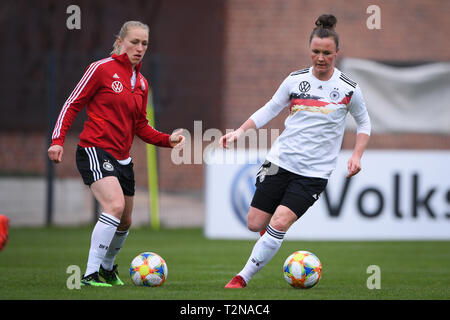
[(326, 21)]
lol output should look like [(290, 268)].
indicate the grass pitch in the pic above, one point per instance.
[(33, 266)]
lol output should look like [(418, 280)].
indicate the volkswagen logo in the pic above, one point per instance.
[(117, 86), (304, 86)]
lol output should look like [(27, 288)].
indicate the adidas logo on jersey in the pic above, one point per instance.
[(115, 76)]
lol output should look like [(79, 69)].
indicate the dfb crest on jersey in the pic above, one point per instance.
[(304, 86), (334, 95)]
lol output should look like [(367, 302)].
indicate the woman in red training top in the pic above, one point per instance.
[(115, 94)]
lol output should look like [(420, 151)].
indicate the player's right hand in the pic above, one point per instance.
[(229, 138), (55, 153)]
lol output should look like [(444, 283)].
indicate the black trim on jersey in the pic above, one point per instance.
[(347, 80), (302, 71), (343, 75), (352, 84)]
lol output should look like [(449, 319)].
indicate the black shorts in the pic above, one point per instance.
[(95, 163), (276, 186)]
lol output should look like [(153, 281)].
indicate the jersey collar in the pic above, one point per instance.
[(123, 58), (336, 73)]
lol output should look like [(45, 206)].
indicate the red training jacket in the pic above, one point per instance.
[(116, 112)]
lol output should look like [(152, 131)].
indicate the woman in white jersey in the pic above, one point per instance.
[(301, 160)]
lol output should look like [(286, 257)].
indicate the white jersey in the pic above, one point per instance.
[(310, 144)]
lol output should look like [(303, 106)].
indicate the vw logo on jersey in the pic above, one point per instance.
[(117, 86), (304, 86), (242, 190)]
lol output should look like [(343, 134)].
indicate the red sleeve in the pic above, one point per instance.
[(145, 131), (79, 97)]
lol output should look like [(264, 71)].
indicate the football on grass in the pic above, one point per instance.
[(302, 269), (148, 269)]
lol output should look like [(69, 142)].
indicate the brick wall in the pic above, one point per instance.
[(266, 40), (219, 62), (184, 65)]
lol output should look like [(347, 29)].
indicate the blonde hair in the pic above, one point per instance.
[(124, 31)]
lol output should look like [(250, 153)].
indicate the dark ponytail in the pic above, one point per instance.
[(325, 28)]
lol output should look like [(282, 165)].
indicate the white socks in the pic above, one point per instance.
[(103, 233), (263, 251), (114, 248)]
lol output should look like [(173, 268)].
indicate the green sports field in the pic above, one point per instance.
[(33, 266)]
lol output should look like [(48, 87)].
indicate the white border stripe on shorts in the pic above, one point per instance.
[(93, 163), (75, 93), (96, 163)]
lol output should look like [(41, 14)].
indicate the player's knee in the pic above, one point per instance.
[(254, 225), (279, 225), (116, 208), (254, 228), (282, 222)]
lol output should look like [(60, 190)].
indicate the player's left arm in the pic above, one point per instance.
[(358, 110)]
